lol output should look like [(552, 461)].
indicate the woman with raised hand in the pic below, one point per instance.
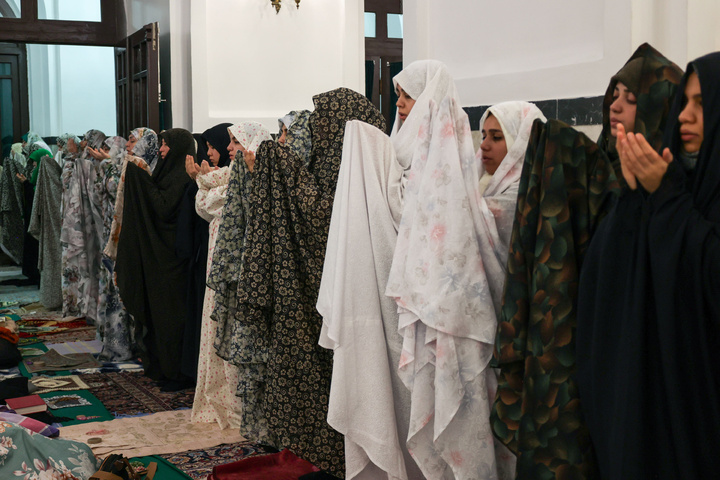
[(215, 393), (80, 234), (648, 313), (638, 98), (193, 237), (150, 276)]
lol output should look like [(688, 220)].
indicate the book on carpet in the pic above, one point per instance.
[(27, 404)]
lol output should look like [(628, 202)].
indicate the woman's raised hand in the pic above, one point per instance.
[(640, 162), (192, 168)]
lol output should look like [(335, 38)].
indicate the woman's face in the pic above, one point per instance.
[(691, 117), (164, 149), (234, 146), (622, 109), (213, 154), (72, 146), (405, 103), (493, 146), (130, 145), (283, 136)]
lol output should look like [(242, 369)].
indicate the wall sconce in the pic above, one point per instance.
[(277, 5)]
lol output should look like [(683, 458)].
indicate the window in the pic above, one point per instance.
[(10, 8), (71, 10), (370, 25), (394, 25)]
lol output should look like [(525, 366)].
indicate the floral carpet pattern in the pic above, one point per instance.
[(198, 464)]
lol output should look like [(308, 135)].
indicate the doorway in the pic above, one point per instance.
[(383, 54)]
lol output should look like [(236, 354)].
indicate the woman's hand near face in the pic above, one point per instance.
[(249, 158), (98, 154), (192, 168), (641, 161)]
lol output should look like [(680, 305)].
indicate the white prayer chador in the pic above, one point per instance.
[(217, 380), (440, 283), (498, 200), (359, 321)]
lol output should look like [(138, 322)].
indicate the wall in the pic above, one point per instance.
[(249, 63), (556, 49)]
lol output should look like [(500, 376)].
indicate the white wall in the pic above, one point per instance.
[(526, 50), (249, 63)]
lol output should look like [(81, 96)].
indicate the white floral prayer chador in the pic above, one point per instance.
[(446, 277)]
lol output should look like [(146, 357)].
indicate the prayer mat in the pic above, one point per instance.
[(198, 464), (159, 433), (30, 351), (59, 401), (165, 469), (93, 413), (51, 361), (92, 346), (57, 384), (76, 335), (127, 393), (33, 327)]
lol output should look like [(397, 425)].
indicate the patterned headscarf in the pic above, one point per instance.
[(31, 138), (62, 141), (117, 148), (299, 136), (94, 138), (147, 146), (653, 79), (250, 135), (16, 153)]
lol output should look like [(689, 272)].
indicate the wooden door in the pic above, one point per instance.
[(137, 81), (383, 58), (14, 114)]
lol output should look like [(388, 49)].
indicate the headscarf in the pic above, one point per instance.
[(36, 157), (299, 136), (117, 152), (219, 137), (424, 81), (286, 121), (30, 139), (249, 134), (94, 139), (147, 146), (16, 153), (648, 315), (653, 79), (516, 120)]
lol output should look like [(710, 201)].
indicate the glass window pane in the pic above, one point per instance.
[(6, 112), (74, 10), (5, 69), (370, 27), (11, 9), (395, 25)]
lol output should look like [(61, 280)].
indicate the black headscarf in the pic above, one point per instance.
[(653, 79), (649, 317), (219, 137), (150, 275)]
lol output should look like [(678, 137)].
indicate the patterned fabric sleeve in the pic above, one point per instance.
[(212, 193)]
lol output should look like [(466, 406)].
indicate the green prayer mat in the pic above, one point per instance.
[(96, 409), (165, 470)]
